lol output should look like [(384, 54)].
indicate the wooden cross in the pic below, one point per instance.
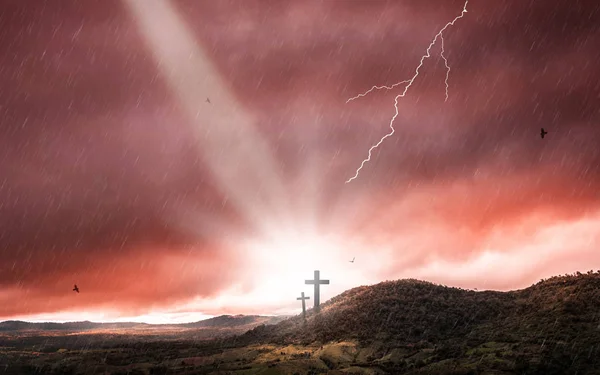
[(303, 304), (317, 282)]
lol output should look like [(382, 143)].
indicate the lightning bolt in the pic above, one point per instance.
[(376, 88), (408, 84), (447, 66)]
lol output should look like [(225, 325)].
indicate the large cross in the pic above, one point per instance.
[(303, 304), (317, 282)]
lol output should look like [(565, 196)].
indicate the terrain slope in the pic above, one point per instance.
[(394, 327)]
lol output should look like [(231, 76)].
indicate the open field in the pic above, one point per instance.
[(137, 355)]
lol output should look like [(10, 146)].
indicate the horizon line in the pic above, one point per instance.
[(574, 274), (132, 322)]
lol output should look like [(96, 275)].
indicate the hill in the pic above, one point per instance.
[(235, 321), (550, 327)]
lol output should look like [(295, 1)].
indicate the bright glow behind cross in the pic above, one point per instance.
[(410, 82), (288, 243)]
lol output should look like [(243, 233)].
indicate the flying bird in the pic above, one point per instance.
[(352, 261), (543, 133), (76, 289), (208, 100)]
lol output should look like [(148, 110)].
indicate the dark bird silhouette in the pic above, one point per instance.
[(352, 261), (76, 289), (543, 133), (208, 100)]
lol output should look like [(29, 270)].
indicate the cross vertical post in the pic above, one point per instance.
[(317, 282), (303, 304)]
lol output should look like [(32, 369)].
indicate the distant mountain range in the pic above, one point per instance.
[(223, 321)]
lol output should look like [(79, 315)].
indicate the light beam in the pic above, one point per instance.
[(238, 156)]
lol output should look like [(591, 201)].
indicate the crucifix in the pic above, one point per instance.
[(317, 282), (303, 304)]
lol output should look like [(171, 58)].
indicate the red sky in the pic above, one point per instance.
[(119, 177)]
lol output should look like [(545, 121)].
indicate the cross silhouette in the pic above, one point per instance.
[(317, 282), (303, 304)]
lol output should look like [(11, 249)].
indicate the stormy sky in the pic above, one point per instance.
[(117, 175)]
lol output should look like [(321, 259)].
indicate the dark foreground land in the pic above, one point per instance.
[(399, 327)]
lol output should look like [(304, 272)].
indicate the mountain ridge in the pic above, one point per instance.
[(382, 302), (414, 327), (215, 322)]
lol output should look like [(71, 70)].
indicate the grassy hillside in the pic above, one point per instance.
[(550, 327)]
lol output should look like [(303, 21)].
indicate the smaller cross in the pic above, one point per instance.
[(303, 304)]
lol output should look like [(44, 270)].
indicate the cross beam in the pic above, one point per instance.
[(303, 304), (317, 282)]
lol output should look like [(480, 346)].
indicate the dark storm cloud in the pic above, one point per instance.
[(88, 175), (501, 94), (95, 155)]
